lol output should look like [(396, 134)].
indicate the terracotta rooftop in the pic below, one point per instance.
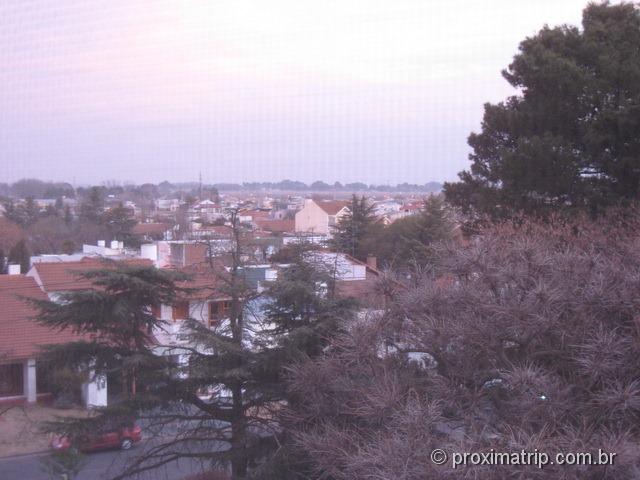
[(150, 228), (365, 291), (208, 280), (21, 335), (254, 213), (332, 207), (276, 226), (64, 276)]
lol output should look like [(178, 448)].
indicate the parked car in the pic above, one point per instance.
[(117, 437)]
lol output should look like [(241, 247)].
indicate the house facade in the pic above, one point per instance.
[(319, 217), (22, 373), (54, 278)]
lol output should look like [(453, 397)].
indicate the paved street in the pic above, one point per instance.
[(98, 466)]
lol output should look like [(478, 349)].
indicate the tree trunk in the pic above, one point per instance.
[(238, 437)]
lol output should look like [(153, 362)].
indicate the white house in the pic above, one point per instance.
[(319, 217)]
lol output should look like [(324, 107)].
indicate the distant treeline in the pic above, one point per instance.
[(31, 187), (292, 185), (34, 188)]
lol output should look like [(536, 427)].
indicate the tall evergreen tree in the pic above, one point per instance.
[(352, 228), (570, 140), (32, 212), (116, 320), (91, 207), (119, 222), (21, 255), (408, 243), (240, 361), (68, 216), (303, 314)]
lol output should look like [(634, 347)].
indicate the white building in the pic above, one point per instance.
[(319, 217)]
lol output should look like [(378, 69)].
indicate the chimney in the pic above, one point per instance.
[(14, 269), (372, 262), (101, 243)]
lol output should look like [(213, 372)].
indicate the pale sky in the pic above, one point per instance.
[(263, 90)]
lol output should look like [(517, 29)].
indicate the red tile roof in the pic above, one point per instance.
[(21, 336), (365, 292), (276, 226), (150, 228), (332, 207), (254, 214), (64, 276), (208, 280), (195, 254)]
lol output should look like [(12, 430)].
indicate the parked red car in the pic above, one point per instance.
[(121, 437)]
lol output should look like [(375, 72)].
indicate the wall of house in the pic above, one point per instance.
[(166, 312), (344, 268), (94, 393), (312, 218), (199, 311)]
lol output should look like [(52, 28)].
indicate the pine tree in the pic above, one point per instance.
[(119, 222), (570, 140), (91, 208), (240, 362), (408, 243), (303, 314), (115, 318), (68, 216), (20, 254), (353, 227)]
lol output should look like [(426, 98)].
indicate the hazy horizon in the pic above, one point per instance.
[(246, 91)]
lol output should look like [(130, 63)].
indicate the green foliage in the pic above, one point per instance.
[(91, 207), (115, 320), (352, 229), (116, 310), (68, 247), (64, 381), (68, 217), (119, 222), (240, 362), (570, 141), (63, 464), (20, 254), (408, 243), (302, 307)]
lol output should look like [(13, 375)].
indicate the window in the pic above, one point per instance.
[(155, 311), (11, 380), (217, 311), (181, 311), (44, 383)]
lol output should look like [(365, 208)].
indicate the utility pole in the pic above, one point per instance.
[(200, 187)]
